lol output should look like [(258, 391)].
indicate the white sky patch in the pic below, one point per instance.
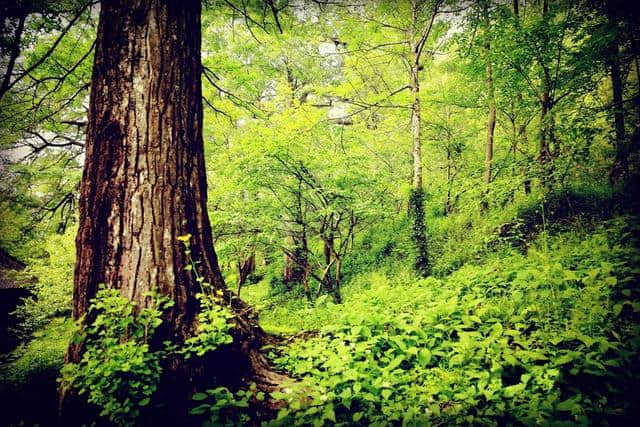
[(338, 110)]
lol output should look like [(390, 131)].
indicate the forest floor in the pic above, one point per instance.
[(28, 387), (550, 333)]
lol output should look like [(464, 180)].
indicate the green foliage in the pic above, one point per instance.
[(522, 339), (119, 370), (419, 232), (28, 375), (120, 367), (44, 353), (37, 200), (39, 142), (53, 276), (471, 236), (222, 407), (213, 327), (213, 319), (384, 246)]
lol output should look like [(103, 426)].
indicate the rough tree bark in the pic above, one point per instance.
[(144, 185)]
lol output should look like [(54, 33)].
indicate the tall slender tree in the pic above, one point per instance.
[(491, 100), (620, 166), (423, 15)]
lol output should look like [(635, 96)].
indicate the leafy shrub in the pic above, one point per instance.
[(381, 247), (278, 288), (213, 327), (456, 240), (119, 370), (523, 339), (225, 408), (554, 212), (254, 278)]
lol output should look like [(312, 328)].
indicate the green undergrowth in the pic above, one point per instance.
[(550, 335), (28, 376), (470, 236)]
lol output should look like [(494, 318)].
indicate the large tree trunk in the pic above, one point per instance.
[(416, 128), (416, 203), (416, 125), (144, 185)]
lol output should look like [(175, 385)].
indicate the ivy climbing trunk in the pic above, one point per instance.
[(416, 41), (144, 185)]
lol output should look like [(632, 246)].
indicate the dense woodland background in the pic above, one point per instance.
[(431, 206)]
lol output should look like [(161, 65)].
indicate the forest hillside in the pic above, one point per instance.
[(313, 212)]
